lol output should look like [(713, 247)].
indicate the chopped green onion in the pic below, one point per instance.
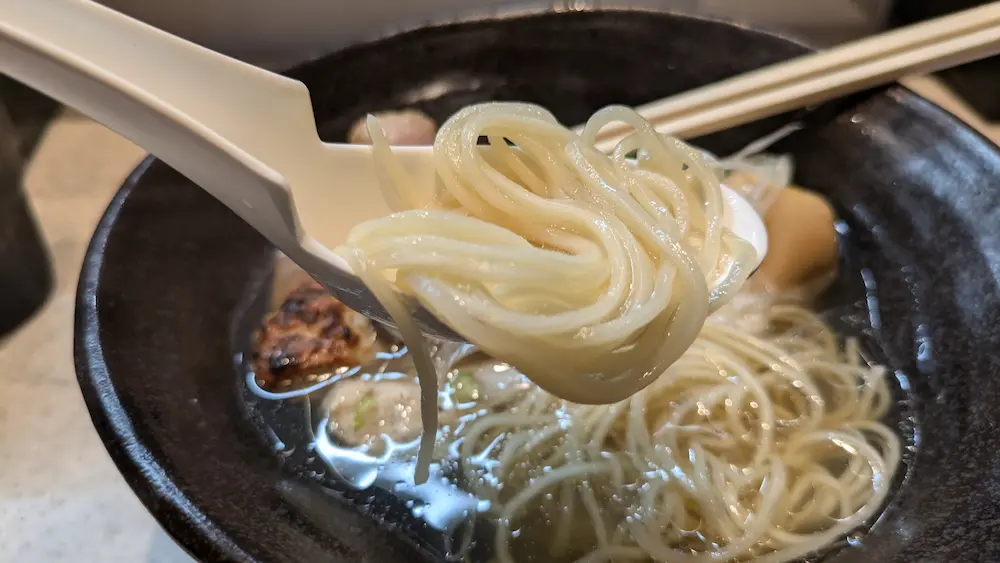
[(466, 387), (366, 405)]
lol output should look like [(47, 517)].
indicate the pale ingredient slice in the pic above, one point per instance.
[(802, 242), (362, 411), (403, 127)]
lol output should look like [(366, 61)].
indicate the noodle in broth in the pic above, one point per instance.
[(763, 442)]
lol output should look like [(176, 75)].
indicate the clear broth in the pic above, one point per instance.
[(441, 520)]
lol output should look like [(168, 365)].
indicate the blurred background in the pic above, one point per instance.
[(275, 33), (61, 498), (278, 34)]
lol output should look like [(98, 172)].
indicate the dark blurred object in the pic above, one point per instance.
[(25, 272), (977, 83), (28, 111)]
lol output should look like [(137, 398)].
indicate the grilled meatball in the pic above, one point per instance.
[(310, 333)]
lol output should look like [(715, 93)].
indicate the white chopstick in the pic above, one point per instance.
[(926, 47)]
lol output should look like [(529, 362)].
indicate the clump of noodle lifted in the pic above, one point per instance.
[(590, 273)]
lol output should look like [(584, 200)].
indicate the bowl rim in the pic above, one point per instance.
[(531, 8)]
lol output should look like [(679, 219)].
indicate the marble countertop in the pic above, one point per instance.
[(61, 497)]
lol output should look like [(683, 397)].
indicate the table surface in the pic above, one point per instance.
[(61, 497)]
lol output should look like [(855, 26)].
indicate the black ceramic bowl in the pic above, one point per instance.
[(171, 288)]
